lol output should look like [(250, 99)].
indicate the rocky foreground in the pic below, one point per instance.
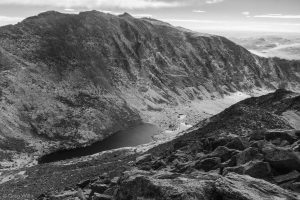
[(250, 151)]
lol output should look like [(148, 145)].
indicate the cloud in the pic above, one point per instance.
[(278, 16), (129, 4), (5, 20), (246, 13), (199, 11), (223, 25), (213, 1)]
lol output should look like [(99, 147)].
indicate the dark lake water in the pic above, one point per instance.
[(131, 137)]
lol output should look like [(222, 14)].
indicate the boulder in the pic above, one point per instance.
[(257, 135), (236, 143), (144, 158), (295, 187), (158, 164), (247, 155), (236, 169), (223, 152), (292, 176), (258, 144), (283, 160), (256, 169), (198, 185), (243, 187), (288, 135), (208, 164), (99, 188), (83, 183), (146, 185)]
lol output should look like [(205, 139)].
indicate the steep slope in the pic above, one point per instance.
[(247, 152), (69, 80)]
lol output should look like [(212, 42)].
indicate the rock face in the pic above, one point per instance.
[(146, 185)]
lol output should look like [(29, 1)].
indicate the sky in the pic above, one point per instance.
[(215, 16)]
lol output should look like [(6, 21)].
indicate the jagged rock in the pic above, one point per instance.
[(143, 159), (230, 163), (84, 183), (258, 144), (288, 135), (143, 185), (223, 152), (158, 164), (236, 169), (236, 143), (256, 169), (282, 159), (292, 176), (208, 164), (295, 187), (257, 135), (248, 155), (99, 188), (242, 187)]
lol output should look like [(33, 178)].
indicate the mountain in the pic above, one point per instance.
[(69, 80), (247, 152)]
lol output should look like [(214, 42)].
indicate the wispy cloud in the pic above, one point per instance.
[(222, 25), (129, 4), (278, 16), (213, 1), (199, 11), (246, 13)]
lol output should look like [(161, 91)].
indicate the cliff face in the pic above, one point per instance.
[(68, 80)]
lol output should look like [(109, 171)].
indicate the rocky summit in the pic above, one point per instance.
[(67, 81)]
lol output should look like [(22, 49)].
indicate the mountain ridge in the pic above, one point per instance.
[(68, 80)]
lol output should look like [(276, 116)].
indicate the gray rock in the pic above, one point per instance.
[(248, 155), (242, 187), (223, 152), (294, 175), (282, 159), (208, 164), (288, 135), (99, 188), (143, 159)]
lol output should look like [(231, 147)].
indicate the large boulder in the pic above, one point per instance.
[(242, 187), (256, 169), (163, 185), (282, 159), (223, 152), (237, 143), (149, 185), (288, 135), (248, 155), (208, 164)]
